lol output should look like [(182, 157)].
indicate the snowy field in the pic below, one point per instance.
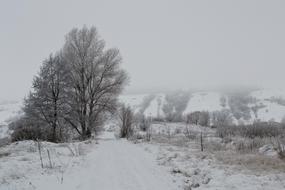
[(110, 163), (168, 161)]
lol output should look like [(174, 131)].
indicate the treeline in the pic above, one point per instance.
[(74, 91)]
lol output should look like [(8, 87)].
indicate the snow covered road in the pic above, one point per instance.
[(113, 165)]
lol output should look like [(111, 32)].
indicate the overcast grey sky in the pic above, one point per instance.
[(164, 44)]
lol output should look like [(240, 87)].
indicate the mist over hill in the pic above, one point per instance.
[(245, 105)]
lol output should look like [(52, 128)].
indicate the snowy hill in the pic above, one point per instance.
[(247, 106), (264, 105)]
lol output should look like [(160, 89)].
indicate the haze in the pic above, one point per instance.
[(164, 44)]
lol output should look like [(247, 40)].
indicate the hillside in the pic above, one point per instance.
[(261, 105), (245, 106)]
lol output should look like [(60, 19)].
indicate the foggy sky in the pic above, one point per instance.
[(164, 44)]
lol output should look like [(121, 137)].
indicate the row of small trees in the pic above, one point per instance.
[(205, 118), (76, 87)]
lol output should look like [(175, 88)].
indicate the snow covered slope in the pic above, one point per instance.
[(273, 106), (268, 105), (265, 105), (204, 101)]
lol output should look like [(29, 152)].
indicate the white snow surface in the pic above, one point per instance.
[(204, 101), (118, 164), (272, 110), (110, 165)]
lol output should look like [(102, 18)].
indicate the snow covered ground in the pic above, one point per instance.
[(111, 164), (219, 166), (167, 162)]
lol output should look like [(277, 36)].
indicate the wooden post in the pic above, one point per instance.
[(40, 153), (50, 164), (202, 146)]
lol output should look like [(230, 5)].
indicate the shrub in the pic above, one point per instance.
[(31, 133), (193, 118), (24, 129), (225, 131), (198, 117), (127, 118), (204, 118), (279, 145), (189, 134), (144, 123), (222, 118), (249, 145), (258, 129)]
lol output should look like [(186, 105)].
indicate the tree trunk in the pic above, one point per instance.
[(54, 133)]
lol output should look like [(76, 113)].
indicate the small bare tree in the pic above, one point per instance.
[(126, 118), (190, 135), (168, 132)]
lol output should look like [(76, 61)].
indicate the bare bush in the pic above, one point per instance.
[(198, 118), (260, 129), (257, 129), (193, 118), (24, 129), (204, 118), (189, 134), (221, 118), (127, 118), (249, 145), (279, 145), (225, 131), (148, 134), (143, 122), (144, 125), (168, 132)]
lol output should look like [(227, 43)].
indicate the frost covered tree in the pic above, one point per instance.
[(96, 79), (77, 87), (46, 102)]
